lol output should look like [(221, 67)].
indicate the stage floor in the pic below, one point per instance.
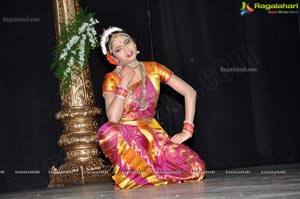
[(276, 181)]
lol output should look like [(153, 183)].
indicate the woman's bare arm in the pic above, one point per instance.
[(189, 95)]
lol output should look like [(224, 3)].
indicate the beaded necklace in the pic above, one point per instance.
[(142, 101)]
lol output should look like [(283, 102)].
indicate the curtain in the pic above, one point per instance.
[(243, 118)]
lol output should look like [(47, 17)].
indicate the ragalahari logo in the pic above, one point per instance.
[(246, 9)]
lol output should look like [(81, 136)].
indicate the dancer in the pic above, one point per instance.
[(140, 150)]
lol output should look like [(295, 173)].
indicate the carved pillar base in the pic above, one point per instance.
[(82, 163), (77, 171)]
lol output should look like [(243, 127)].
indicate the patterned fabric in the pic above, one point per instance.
[(140, 150)]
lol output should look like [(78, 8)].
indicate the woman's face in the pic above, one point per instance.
[(124, 49)]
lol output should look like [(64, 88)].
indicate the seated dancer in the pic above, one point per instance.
[(140, 150)]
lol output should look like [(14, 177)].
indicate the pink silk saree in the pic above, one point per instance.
[(140, 150)]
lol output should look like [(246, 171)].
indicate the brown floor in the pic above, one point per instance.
[(277, 181)]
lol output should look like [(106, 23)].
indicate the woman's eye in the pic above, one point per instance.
[(127, 42), (118, 50)]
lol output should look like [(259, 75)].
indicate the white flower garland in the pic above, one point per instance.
[(77, 45), (74, 44)]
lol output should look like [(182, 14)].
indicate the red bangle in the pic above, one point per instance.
[(188, 122), (122, 92), (188, 127)]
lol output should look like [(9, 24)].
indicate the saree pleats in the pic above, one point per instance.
[(143, 154)]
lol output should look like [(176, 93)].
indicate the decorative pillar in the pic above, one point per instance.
[(82, 162)]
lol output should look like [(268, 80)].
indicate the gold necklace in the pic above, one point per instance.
[(143, 103)]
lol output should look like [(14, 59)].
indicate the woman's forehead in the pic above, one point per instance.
[(120, 38)]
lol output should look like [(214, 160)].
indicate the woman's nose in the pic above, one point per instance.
[(125, 48)]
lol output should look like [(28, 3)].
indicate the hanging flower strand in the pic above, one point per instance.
[(74, 44)]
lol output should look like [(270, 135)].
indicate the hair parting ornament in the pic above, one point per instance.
[(106, 40)]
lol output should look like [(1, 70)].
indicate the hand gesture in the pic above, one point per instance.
[(180, 137)]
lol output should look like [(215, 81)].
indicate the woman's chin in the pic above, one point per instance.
[(131, 60)]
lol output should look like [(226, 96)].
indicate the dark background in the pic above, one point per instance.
[(242, 119)]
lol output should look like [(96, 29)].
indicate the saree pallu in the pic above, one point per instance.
[(140, 150)]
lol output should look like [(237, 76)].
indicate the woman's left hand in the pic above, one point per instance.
[(180, 137)]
